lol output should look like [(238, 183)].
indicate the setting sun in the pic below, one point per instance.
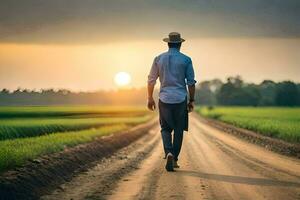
[(122, 78)]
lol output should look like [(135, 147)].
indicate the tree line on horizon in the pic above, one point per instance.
[(66, 97), (234, 91)]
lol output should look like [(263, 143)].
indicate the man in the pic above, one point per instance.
[(175, 71)]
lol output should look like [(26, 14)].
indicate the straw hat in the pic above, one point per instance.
[(174, 37)]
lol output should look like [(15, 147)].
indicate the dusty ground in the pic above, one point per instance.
[(273, 144), (214, 165)]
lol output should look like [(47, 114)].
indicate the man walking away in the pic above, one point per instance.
[(175, 72)]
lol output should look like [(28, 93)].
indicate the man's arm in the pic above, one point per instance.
[(151, 102), (192, 92), (153, 75), (191, 103), (190, 80)]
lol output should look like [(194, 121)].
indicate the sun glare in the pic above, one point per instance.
[(122, 78)]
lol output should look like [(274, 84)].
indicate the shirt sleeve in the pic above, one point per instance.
[(153, 75), (190, 75)]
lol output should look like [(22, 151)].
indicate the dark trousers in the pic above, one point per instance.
[(173, 118), (174, 146)]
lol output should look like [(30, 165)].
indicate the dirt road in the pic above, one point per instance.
[(213, 165)]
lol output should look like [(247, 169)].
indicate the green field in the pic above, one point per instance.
[(29, 132), (282, 123)]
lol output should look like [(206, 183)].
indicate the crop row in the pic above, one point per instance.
[(16, 152), (31, 127), (282, 123)]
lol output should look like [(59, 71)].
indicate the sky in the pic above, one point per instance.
[(81, 45)]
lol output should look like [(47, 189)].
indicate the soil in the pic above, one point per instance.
[(273, 144), (42, 175), (213, 165)]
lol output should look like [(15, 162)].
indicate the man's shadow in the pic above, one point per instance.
[(239, 179)]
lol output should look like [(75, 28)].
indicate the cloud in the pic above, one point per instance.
[(90, 21)]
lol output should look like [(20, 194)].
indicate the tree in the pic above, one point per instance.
[(236, 92), (267, 91), (204, 95), (225, 94), (298, 87), (230, 92), (252, 95), (286, 94), (206, 92), (4, 91)]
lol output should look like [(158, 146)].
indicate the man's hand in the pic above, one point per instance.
[(151, 104), (191, 106)]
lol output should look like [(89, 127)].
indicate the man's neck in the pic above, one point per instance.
[(174, 49)]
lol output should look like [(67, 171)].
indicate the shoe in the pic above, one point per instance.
[(169, 164), (175, 164)]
